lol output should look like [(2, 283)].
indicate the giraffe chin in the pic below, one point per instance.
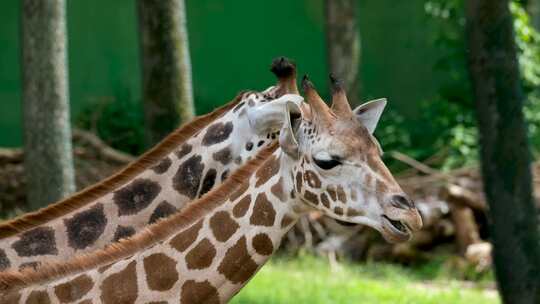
[(395, 231)]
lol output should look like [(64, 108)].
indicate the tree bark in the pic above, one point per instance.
[(47, 136), (343, 44), (166, 66), (504, 149)]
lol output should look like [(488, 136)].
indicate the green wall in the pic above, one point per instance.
[(232, 44)]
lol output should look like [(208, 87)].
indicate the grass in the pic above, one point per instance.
[(311, 280)]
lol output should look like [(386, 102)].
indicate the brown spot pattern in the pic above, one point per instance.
[(312, 179), (160, 272), (120, 287), (4, 261), (208, 181), (38, 241), (311, 197), (163, 210), (267, 170), (162, 166), (338, 211), (188, 177), (185, 238), (38, 297), (298, 182), (353, 212), (199, 292), (324, 200), (237, 265), (242, 206), (263, 244), (223, 156), (224, 175), (123, 232), (332, 192), (33, 265), (263, 212), (73, 290), (84, 228), (277, 190), (341, 194), (201, 256), (286, 221), (223, 226), (102, 269), (217, 133), (136, 196), (184, 150)]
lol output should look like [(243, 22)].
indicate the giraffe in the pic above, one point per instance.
[(326, 159), (187, 164)]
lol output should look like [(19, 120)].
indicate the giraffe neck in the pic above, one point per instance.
[(207, 261), (190, 169)]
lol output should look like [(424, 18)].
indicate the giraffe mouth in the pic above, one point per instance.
[(346, 224), (397, 227)]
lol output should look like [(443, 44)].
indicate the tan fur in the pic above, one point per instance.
[(13, 280), (91, 193)]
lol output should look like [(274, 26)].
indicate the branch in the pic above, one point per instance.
[(458, 195), (414, 163), (102, 148)]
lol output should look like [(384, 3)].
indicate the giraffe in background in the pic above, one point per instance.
[(327, 160), (188, 163)]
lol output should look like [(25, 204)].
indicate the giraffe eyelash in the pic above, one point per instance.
[(328, 161)]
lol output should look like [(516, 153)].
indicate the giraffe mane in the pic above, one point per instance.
[(12, 280), (93, 192)]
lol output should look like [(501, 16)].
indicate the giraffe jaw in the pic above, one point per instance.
[(395, 231)]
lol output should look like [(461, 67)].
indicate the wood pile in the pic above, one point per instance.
[(94, 160)]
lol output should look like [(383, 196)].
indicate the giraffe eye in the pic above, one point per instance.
[(327, 164)]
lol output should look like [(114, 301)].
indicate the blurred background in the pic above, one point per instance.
[(414, 53)]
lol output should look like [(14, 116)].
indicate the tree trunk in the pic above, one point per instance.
[(504, 149), (47, 136), (343, 44), (166, 66)]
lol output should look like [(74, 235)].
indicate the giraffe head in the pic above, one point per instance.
[(337, 168), (258, 117)]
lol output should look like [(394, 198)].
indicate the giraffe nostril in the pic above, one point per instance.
[(401, 201)]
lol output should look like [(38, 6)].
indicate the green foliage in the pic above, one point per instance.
[(447, 123), (118, 120), (307, 279), (528, 44)]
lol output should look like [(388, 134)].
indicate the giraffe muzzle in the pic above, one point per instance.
[(400, 219)]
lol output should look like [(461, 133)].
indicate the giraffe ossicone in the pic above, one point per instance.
[(188, 163), (326, 159)]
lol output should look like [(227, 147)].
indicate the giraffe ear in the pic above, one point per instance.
[(269, 117), (287, 138), (369, 113)]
